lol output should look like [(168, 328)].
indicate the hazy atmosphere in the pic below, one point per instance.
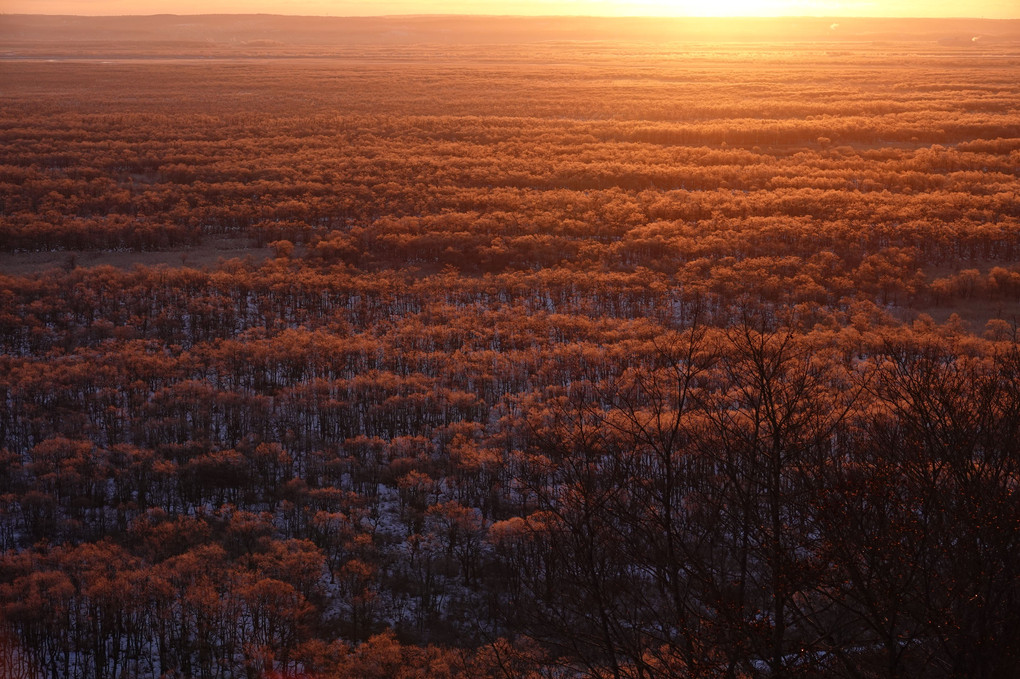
[(989, 9)]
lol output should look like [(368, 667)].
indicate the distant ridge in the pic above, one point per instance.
[(234, 29)]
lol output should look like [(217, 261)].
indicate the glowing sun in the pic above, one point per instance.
[(742, 8)]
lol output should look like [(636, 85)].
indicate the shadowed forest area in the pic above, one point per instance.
[(334, 348)]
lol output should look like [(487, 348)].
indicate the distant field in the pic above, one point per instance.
[(240, 35), (207, 254)]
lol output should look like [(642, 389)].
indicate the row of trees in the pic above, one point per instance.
[(63, 310), (297, 151)]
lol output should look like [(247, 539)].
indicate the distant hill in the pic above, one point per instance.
[(263, 30)]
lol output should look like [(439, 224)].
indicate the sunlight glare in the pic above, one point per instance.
[(735, 8)]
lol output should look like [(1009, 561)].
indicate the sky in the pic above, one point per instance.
[(990, 9)]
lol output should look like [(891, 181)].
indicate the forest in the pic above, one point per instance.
[(553, 359)]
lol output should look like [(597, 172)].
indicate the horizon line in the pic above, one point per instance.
[(512, 16)]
